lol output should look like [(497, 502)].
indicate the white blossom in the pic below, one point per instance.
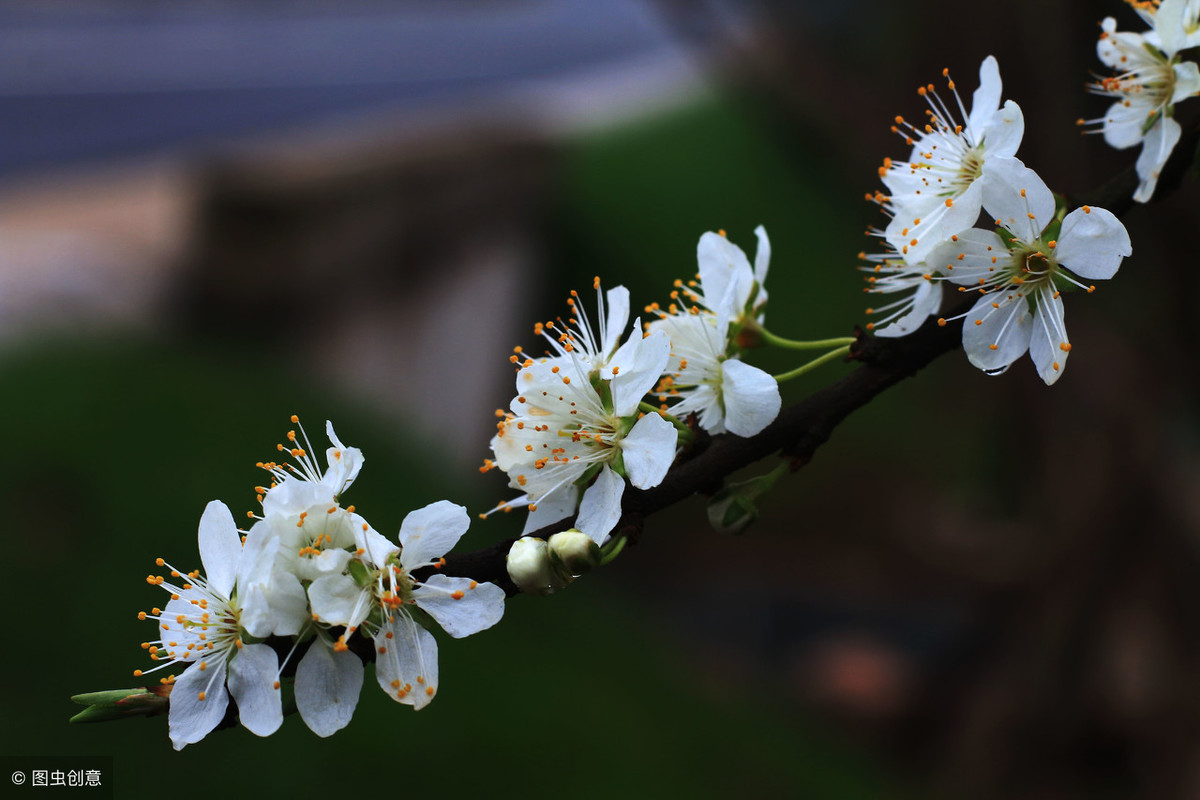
[(939, 191), (728, 286), (375, 594), (573, 423), (1020, 275), (703, 320), (919, 285), (202, 627), (296, 487), (1174, 24), (1149, 81)]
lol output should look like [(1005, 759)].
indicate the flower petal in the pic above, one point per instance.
[(996, 331), (725, 274), (751, 397), (406, 662), (649, 450), (190, 718), (276, 606), (986, 99), (344, 463), (378, 548), (1168, 24), (220, 547), (429, 533), (1012, 192), (338, 600), (293, 495), (1187, 81), (958, 217), (762, 260), (460, 605), (616, 319), (637, 367), (1092, 243), (925, 302), (555, 506), (601, 505), (1124, 123), (1156, 149), (1113, 44), (1002, 136), (327, 687), (1048, 346), (253, 682), (971, 257)]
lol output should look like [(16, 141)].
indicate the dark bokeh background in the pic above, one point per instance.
[(216, 215)]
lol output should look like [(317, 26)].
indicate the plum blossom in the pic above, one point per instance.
[(728, 286), (575, 426), (1021, 271), (577, 340), (295, 487), (310, 533), (375, 595), (1174, 24), (704, 375), (203, 627), (888, 273), (1150, 79), (939, 191)]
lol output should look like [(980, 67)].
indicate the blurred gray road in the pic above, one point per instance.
[(88, 80)]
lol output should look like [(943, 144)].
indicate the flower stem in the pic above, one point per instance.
[(810, 366), (684, 430), (612, 549), (794, 344)]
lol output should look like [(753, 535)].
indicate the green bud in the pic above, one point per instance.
[(729, 512), (573, 552), (122, 703), (732, 509)]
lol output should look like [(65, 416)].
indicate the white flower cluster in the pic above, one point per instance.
[(1149, 78), (706, 320), (316, 572), (955, 170), (581, 424)]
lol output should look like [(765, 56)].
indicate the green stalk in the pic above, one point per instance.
[(816, 362), (795, 344)]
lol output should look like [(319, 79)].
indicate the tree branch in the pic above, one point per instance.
[(804, 427), (796, 433)]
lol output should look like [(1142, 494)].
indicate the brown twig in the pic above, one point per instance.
[(804, 427)]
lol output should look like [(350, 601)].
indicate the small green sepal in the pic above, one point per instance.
[(122, 703), (734, 508)]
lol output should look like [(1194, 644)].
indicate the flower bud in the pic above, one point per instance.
[(732, 509), (573, 552), (121, 703), (530, 569), (729, 512)]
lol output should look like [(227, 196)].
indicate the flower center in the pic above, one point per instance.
[(970, 169), (1037, 266)]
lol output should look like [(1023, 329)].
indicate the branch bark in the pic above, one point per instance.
[(804, 427), (796, 434)]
